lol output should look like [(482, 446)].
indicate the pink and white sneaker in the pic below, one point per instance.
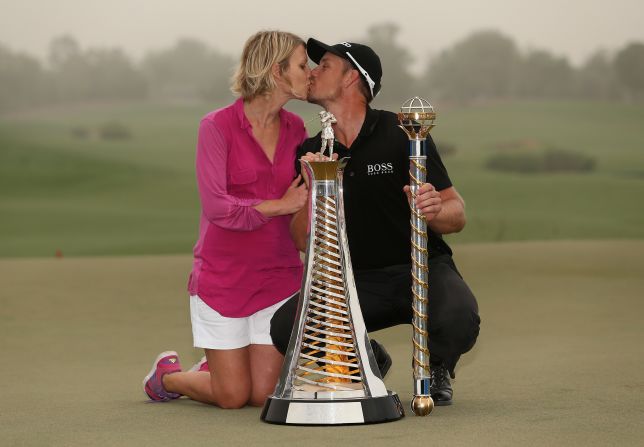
[(166, 363), (201, 365)]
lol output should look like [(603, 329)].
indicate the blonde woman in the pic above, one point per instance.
[(245, 263)]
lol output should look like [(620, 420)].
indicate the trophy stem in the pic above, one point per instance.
[(416, 119), (422, 403)]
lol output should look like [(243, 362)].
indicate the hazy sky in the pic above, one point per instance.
[(574, 28)]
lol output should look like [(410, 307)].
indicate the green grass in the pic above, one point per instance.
[(94, 196), (504, 206), (558, 360), (137, 196)]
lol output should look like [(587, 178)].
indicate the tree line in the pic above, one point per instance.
[(486, 65)]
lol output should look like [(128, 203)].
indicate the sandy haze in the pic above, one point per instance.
[(574, 29)]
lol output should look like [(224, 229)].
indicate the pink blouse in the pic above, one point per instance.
[(243, 261)]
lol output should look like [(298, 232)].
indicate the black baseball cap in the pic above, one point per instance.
[(362, 57)]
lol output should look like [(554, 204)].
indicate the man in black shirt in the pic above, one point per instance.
[(377, 214)]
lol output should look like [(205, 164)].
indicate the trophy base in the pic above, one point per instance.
[(372, 410)]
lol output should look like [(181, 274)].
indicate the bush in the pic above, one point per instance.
[(114, 131), (548, 160), (523, 163), (556, 160)]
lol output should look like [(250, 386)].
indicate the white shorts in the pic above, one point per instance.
[(211, 330)]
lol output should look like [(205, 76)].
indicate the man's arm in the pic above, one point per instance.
[(444, 210), (451, 218)]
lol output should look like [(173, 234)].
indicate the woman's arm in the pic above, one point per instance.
[(218, 206), (291, 202)]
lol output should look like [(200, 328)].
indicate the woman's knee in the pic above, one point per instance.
[(232, 399), (258, 397), (231, 395)]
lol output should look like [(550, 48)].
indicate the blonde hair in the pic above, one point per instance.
[(254, 76)]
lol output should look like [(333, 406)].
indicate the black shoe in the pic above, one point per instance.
[(440, 387), (383, 359)]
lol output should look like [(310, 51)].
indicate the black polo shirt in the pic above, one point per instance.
[(376, 208)]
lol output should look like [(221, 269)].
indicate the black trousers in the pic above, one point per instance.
[(385, 299)]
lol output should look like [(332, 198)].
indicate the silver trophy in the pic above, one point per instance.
[(329, 376), (416, 118)]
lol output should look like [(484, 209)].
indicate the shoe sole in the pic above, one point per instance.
[(442, 403), (154, 368)]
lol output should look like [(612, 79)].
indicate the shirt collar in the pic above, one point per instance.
[(238, 107), (370, 122)]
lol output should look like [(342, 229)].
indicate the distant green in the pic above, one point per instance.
[(90, 196)]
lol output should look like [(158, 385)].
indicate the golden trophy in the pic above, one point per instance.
[(416, 118)]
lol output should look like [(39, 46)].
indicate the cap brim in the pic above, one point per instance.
[(316, 49)]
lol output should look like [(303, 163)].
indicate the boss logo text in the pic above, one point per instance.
[(380, 168)]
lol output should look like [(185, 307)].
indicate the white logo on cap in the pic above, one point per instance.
[(364, 73), (346, 44)]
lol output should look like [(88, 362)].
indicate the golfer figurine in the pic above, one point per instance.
[(327, 119)]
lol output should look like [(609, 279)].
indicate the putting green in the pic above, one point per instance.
[(559, 358)]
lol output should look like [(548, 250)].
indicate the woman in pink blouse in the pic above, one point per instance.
[(245, 263)]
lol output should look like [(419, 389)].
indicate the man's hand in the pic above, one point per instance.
[(444, 210), (428, 200), (317, 156)]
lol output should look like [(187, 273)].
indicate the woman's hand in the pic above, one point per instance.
[(291, 202), (295, 196)]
